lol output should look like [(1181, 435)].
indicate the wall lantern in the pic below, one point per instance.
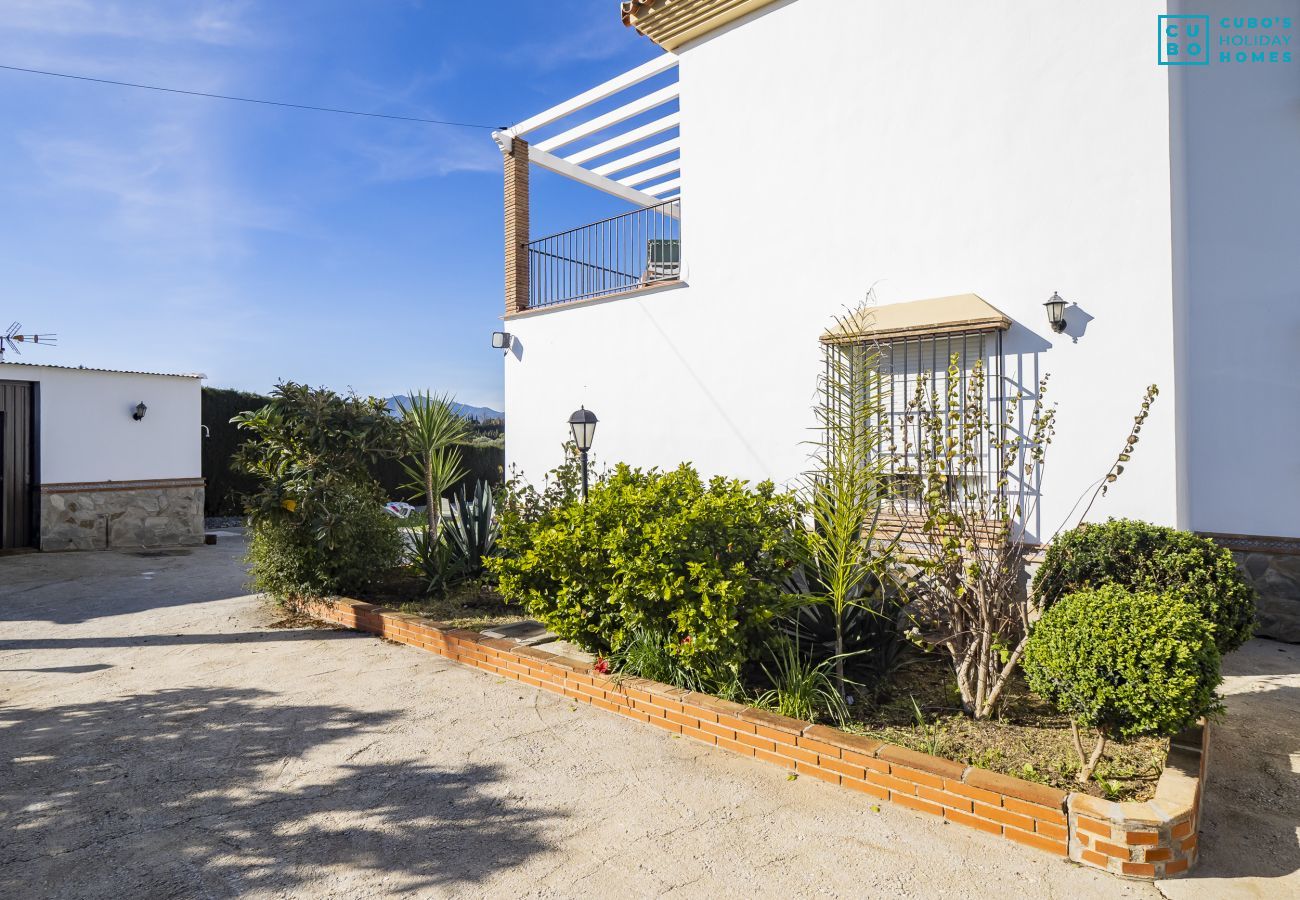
[(140, 410), (1056, 312), (501, 340), (583, 425)]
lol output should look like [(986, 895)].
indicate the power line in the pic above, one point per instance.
[(328, 109)]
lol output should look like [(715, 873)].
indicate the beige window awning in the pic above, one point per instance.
[(960, 313)]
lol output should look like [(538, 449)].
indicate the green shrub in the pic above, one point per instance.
[(340, 547), (319, 527), (698, 563), (1125, 664), (1144, 557)]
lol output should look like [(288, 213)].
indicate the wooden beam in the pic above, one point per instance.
[(618, 142), (613, 117), (622, 82), (599, 182), (640, 156), (652, 173)]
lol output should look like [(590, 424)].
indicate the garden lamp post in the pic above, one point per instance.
[(583, 425)]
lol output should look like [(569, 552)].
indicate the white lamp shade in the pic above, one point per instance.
[(583, 425)]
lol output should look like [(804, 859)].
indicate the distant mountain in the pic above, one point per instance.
[(477, 413)]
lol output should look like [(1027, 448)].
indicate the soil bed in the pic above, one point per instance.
[(1031, 740), (472, 604)]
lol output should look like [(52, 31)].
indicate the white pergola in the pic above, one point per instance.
[(645, 176)]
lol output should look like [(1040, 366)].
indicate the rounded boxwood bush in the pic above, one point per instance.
[(1126, 664), (1145, 557)]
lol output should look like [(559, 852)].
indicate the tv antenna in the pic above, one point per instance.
[(12, 338)]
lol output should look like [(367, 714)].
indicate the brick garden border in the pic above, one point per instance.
[(1147, 840)]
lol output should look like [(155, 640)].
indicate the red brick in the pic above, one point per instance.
[(666, 725), (944, 798), (866, 788), (1182, 829), (1101, 828), (1048, 829), (1119, 851), (755, 741), (1005, 817), (836, 765), (767, 719), (974, 793), (737, 725), (972, 821), (735, 747), (700, 735), (779, 737), (1145, 870), (1037, 841), (1175, 866), (802, 755), (862, 759), (916, 803), (895, 785), (681, 719), (1015, 787), (604, 704), (916, 776), (815, 772), (1158, 854), (1092, 856), (819, 747), (923, 762), (634, 714), (717, 730), (1141, 837), (1187, 844), (1034, 810), (775, 758)]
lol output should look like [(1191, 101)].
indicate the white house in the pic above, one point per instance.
[(96, 459), (782, 157)]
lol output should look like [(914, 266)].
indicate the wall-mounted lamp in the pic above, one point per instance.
[(501, 340), (140, 410), (1056, 312)]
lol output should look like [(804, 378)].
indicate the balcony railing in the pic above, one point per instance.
[(636, 249)]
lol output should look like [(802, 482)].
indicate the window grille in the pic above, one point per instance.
[(903, 364)]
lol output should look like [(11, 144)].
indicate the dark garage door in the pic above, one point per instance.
[(16, 464)]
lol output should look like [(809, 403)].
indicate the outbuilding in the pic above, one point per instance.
[(93, 459)]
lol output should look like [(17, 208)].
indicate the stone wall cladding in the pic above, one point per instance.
[(1131, 839), (122, 515), (1276, 576)]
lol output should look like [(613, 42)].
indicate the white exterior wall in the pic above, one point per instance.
[(1002, 148), (87, 433), (1237, 187)]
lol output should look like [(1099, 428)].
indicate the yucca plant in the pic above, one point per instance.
[(801, 688), (431, 429), (471, 530)]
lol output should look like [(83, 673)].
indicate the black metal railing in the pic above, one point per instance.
[(636, 249)]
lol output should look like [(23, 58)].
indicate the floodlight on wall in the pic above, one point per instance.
[(583, 425), (140, 410), (501, 340), (1055, 312)]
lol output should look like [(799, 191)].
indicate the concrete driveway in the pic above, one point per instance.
[(160, 740)]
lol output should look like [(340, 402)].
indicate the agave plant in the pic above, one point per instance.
[(471, 529)]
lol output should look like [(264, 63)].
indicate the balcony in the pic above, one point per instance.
[(634, 250)]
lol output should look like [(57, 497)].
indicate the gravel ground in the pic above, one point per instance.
[(159, 740)]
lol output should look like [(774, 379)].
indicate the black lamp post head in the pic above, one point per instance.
[(1055, 307), (140, 410), (583, 425)]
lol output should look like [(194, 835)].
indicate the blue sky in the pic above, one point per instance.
[(160, 232)]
